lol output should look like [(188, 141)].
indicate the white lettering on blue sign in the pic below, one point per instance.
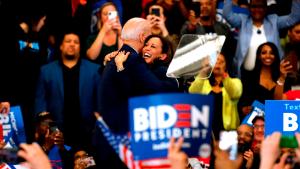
[(291, 107), (165, 116), (290, 122), (162, 134), (155, 118), (4, 120), (13, 121), (198, 116), (156, 122), (256, 112)]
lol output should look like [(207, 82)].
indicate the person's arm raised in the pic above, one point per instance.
[(178, 159), (34, 156)]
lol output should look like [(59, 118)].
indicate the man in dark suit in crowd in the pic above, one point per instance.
[(68, 89)]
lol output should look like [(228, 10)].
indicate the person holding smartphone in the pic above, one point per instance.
[(157, 20), (256, 28), (51, 140), (83, 160), (156, 17), (267, 80), (108, 37)]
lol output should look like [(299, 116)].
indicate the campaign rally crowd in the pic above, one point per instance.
[(72, 66)]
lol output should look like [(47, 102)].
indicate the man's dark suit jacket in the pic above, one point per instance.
[(117, 87), (50, 91)]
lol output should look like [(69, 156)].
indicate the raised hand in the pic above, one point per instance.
[(4, 107), (178, 158), (270, 151), (34, 156)]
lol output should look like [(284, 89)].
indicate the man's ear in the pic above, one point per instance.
[(142, 37), (60, 47), (289, 32), (163, 57)]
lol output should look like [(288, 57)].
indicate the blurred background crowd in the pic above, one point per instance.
[(60, 63)]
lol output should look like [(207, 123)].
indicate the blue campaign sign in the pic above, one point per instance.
[(258, 109), (155, 119), (13, 127), (282, 116)]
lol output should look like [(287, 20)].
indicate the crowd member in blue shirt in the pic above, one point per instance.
[(51, 139)]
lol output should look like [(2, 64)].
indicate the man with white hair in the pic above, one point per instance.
[(118, 85), (135, 79)]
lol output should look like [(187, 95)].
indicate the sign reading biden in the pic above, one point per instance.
[(282, 116), (155, 119)]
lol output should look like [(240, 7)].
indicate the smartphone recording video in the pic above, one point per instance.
[(53, 127), (228, 142), (112, 15), (293, 59), (155, 11), (89, 161)]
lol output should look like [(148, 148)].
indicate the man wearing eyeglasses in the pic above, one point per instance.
[(258, 136)]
